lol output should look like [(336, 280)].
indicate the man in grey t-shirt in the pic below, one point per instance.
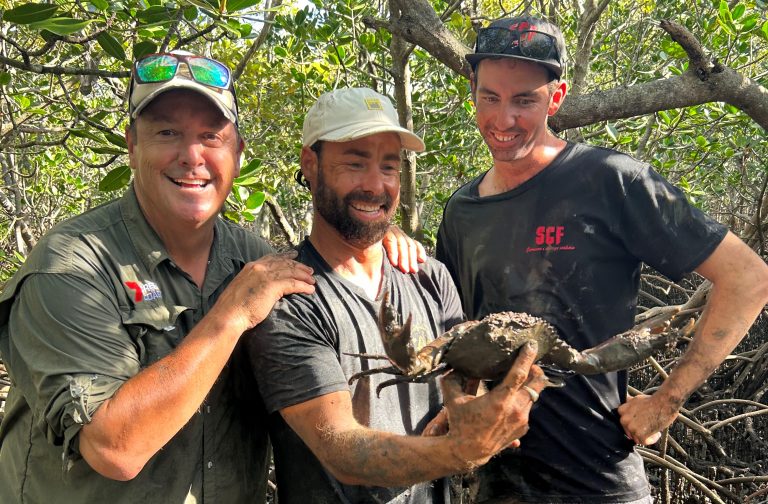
[(333, 442)]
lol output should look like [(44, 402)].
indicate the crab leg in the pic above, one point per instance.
[(367, 372), (620, 352), (410, 379)]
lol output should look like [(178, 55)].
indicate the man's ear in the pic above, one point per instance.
[(473, 86), (309, 165), (557, 98), (131, 141), (240, 150)]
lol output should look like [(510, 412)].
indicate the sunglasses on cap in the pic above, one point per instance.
[(530, 43), (156, 68)]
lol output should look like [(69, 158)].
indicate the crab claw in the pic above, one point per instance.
[(395, 338)]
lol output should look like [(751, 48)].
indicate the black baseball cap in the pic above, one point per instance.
[(525, 38)]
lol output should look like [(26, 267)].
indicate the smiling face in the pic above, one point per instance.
[(513, 101), (184, 155), (355, 186)]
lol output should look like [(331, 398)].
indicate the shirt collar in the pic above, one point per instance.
[(145, 240)]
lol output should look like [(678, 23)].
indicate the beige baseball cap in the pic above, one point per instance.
[(350, 113), (142, 94)]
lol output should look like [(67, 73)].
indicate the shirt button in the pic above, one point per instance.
[(210, 465)]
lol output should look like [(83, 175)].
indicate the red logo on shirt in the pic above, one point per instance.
[(549, 239), (147, 290), (549, 235), (136, 287)]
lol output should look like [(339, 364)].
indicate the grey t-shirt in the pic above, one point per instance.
[(300, 352)]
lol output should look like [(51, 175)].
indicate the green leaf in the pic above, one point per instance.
[(83, 133), (111, 45), (23, 101), (190, 13), (280, 51), (30, 13), (764, 30), (612, 132), (106, 150), (5, 78), (738, 11), (157, 14), (115, 179), (61, 25), (247, 181), (245, 29), (236, 5), (724, 10), (251, 167), (115, 140), (102, 5), (255, 200), (143, 48), (701, 141), (749, 22), (725, 18), (227, 26)]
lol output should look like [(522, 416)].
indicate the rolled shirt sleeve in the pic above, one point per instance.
[(71, 352)]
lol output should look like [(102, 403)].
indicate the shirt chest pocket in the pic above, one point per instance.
[(154, 330)]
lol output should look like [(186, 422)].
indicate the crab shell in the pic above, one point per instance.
[(487, 349)]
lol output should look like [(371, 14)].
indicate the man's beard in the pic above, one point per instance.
[(335, 211)]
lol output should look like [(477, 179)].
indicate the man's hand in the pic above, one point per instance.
[(645, 416), (483, 426), (249, 298), (403, 251)]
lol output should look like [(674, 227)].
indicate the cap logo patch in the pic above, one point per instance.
[(373, 104)]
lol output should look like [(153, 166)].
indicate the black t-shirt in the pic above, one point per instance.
[(299, 353), (567, 246)]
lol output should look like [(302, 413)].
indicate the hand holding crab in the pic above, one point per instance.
[(482, 426)]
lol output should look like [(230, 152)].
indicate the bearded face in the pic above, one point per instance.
[(341, 211)]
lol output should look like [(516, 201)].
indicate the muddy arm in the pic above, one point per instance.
[(480, 428), (739, 293)]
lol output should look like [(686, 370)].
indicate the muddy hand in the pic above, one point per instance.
[(403, 252), (483, 426), (643, 418), (250, 297), (439, 425)]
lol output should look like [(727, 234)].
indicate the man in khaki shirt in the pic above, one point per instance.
[(120, 332)]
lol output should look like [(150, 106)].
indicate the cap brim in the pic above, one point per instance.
[(408, 139), (475, 58), (149, 92)]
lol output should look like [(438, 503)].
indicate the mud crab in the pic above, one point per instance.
[(486, 349)]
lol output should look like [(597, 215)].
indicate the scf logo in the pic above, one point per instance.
[(549, 235)]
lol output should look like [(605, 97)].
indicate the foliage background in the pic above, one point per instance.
[(65, 66)]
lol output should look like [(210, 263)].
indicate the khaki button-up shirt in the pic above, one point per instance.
[(98, 300)]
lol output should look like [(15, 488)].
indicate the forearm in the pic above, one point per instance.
[(730, 311), (151, 407), (739, 293), (374, 458)]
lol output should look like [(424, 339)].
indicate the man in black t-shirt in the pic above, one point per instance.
[(333, 442), (559, 230)]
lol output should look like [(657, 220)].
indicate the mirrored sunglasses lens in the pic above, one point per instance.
[(494, 40), (209, 72), (535, 45), (157, 68)]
